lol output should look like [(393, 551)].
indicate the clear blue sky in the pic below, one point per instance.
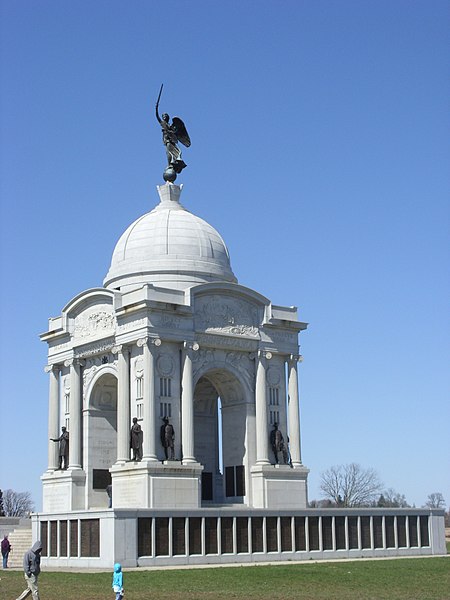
[(320, 151)]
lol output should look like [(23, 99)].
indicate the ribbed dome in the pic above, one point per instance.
[(169, 247)]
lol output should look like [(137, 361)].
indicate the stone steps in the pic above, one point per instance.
[(21, 541)]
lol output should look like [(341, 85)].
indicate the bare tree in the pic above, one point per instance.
[(350, 485), (392, 499), (17, 504), (435, 500)]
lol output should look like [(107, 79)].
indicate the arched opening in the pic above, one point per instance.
[(220, 432), (101, 439)]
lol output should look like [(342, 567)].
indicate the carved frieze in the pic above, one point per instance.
[(232, 343), (100, 347), (130, 325), (166, 321), (282, 336), (228, 315)]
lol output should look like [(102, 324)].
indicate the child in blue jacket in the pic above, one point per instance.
[(117, 582)]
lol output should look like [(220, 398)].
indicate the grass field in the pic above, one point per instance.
[(403, 579)]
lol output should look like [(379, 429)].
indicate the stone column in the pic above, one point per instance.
[(123, 403), (75, 413), (294, 411), (53, 416), (149, 397), (187, 403), (262, 439)]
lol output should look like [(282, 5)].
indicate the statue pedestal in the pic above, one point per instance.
[(279, 487), (156, 485), (63, 490)]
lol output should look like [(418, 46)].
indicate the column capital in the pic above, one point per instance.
[(191, 346), (52, 368), (79, 362), (264, 354), (150, 341), (292, 358), (120, 349)]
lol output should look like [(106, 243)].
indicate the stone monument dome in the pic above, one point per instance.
[(169, 247)]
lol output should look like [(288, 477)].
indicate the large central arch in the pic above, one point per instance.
[(221, 416), (101, 436)]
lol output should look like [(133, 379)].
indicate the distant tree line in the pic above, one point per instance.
[(351, 486)]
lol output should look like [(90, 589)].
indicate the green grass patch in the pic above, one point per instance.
[(403, 579)]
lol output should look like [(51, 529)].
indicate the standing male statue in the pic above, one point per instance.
[(136, 437), (278, 445), (172, 133), (63, 448), (168, 439)]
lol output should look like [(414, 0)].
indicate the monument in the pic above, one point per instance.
[(170, 379)]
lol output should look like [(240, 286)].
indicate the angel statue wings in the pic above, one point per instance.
[(172, 133)]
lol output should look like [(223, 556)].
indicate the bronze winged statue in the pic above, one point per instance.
[(172, 133)]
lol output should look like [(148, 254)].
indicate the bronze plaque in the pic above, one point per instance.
[(353, 533), (178, 537), (339, 525), (424, 535), (211, 535), (145, 537), (327, 535), (286, 537), (74, 538), (53, 538), (365, 532), (90, 537), (313, 531), (378, 532), (63, 538), (412, 527), (257, 534), (300, 535), (226, 535), (401, 531), (195, 535), (44, 534), (162, 536), (242, 534)]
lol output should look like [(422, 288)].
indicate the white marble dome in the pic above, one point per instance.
[(169, 247)]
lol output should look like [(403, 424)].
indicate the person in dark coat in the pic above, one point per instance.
[(63, 448), (32, 568), (6, 549)]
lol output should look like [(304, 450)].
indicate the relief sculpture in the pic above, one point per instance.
[(92, 324), (227, 315)]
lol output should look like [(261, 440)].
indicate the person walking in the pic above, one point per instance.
[(6, 549), (32, 568), (117, 582)]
